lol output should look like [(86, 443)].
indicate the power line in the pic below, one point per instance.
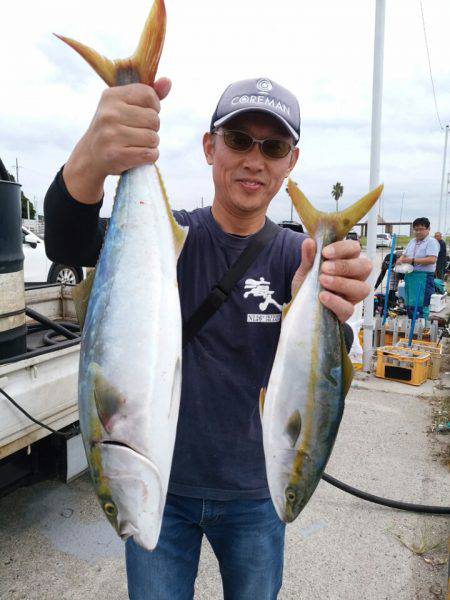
[(429, 66)]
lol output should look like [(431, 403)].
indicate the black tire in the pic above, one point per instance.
[(64, 274)]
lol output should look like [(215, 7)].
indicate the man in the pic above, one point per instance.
[(218, 483), (421, 252), (442, 256)]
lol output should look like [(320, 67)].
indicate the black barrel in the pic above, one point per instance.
[(12, 292)]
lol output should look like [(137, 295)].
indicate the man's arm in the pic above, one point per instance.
[(73, 231), (426, 260), (122, 135)]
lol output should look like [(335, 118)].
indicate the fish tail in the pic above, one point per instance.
[(141, 67), (339, 222)]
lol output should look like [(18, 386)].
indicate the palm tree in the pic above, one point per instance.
[(336, 192)]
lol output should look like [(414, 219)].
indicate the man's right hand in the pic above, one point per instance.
[(122, 134)]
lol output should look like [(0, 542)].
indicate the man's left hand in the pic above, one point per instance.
[(342, 275)]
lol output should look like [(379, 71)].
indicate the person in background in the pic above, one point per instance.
[(394, 280), (421, 252), (440, 264)]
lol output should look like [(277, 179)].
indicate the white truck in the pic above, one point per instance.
[(44, 383), (38, 268)]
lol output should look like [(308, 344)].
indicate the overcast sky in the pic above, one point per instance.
[(322, 51)]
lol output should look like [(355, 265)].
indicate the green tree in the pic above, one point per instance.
[(337, 191), (24, 200)]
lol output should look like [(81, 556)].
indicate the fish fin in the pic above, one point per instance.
[(179, 233), (294, 427), (340, 222), (347, 367), (287, 307), (142, 65), (262, 399), (108, 399), (285, 310), (80, 296)]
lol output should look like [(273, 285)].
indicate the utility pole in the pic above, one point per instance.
[(446, 205), (17, 171), (401, 212), (444, 162), (377, 100)]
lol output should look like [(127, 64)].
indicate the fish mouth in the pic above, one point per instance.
[(119, 444)]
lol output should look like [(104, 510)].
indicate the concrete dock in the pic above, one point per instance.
[(56, 543)]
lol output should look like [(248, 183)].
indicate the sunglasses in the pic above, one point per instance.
[(243, 142)]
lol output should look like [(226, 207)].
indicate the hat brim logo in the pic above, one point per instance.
[(264, 86)]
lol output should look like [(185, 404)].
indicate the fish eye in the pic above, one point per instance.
[(110, 509), (290, 495)]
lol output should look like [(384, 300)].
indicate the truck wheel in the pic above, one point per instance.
[(64, 274)]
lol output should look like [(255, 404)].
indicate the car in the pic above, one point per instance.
[(294, 225), (384, 240), (352, 235), (37, 268)]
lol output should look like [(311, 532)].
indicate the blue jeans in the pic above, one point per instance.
[(247, 538)]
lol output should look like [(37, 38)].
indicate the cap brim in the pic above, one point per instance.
[(279, 118)]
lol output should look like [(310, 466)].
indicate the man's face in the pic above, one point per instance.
[(246, 182), (420, 232), (438, 236)]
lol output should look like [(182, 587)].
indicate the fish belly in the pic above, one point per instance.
[(133, 325), (305, 377)]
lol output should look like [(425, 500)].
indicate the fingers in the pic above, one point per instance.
[(137, 116), (342, 249), (355, 268), (343, 276), (135, 94), (340, 307), (131, 136), (162, 87), (350, 289), (135, 157), (308, 251), (125, 127)]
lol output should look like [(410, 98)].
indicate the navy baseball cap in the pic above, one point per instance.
[(259, 94)]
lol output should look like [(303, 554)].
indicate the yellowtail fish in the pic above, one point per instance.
[(130, 359), (303, 405)]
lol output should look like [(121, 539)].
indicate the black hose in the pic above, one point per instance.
[(49, 338), (419, 508), (22, 410), (41, 319)]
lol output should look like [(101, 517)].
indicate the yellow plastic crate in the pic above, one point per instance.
[(402, 364), (433, 348)]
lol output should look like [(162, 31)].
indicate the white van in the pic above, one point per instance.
[(38, 268), (384, 240)]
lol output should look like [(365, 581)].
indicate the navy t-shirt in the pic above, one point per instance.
[(219, 450)]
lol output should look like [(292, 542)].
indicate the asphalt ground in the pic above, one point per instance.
[(56, 544)]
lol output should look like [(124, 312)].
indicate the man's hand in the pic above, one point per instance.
[(403, 259), (342, 276), (122, 134)]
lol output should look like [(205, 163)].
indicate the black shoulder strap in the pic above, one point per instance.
[(221, 291)]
